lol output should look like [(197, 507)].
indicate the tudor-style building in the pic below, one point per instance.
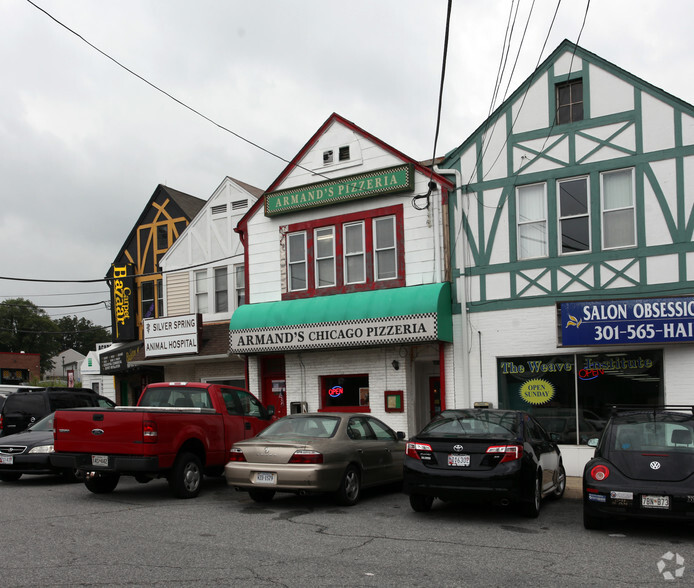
[(572, 247), (203, 280), (346, 259), (136, 285)]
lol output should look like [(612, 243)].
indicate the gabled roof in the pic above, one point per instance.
[(189, 205), (583, 54), (336, 118)]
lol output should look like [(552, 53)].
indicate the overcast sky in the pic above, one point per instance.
[(85, 143)]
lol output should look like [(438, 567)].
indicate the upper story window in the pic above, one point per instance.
[(532, 221), (618, 213), (297, 261), (347, 253), (221, 290), (574, 218), (201, 292), (151, 299), (569, 101), (211, 289), (240, 284)]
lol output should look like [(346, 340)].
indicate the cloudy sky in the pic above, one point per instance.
[(85, 143)]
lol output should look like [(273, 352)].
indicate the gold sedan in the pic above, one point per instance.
[(318, 452)]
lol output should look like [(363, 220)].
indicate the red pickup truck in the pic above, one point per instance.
[(178, 430)]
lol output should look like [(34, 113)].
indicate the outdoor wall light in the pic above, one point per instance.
[(396, 365)]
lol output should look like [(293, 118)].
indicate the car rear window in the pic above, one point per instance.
[(653, 433), (178, 396), (473, 424), (67, 400), (25, 403), (321, 427)]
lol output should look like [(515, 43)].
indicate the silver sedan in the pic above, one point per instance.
[(339, 453)]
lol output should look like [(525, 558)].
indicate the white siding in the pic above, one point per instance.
[(608, 93)]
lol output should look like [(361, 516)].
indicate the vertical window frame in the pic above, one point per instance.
[(362, 253), (317, 258), (604, 210), (221, 295), (377, 249), (572, 103), (201, 291), (569, 217), (297, 263), (521, 223), (240, 284)]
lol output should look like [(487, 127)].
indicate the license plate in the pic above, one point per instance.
[(100, 460), (265, 478), (458, 460), (650, 501), (6, 459)]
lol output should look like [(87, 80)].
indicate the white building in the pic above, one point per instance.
[(572, 248), (347, 275), (203, 274)]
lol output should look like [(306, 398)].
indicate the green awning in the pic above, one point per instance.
[(397, 315)]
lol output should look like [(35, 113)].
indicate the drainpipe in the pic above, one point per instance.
[(463, 377)]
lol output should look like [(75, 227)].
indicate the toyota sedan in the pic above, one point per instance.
[(483, 455), (340, 453)]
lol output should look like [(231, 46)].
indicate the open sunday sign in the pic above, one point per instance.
[(643, 320)]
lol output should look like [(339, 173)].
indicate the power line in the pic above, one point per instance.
[(170, 96)]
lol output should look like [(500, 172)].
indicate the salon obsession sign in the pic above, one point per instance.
[(357, 333), (383, 181)]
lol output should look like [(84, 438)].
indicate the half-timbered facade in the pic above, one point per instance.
[(573, 258)]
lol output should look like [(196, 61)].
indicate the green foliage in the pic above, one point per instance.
[(26, 327)]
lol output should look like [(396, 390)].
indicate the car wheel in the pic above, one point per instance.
[(531, 509), (421, 503), (263, 495), (350, 487), (591, 522), (102, 483), (185, 479), (10, 477), (560, 485)]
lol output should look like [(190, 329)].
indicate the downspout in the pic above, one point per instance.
[(462, 296)]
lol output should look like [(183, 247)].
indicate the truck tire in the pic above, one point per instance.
[(185, 479), (102, 483)]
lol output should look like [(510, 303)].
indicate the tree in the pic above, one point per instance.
[(80, 334), (26, 327)]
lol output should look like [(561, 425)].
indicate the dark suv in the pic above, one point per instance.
[(21, 409)]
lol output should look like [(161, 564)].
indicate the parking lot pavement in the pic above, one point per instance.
[(574, 487)]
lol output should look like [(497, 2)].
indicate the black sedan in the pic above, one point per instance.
[(28, 452), (483, 455), (643, 467)]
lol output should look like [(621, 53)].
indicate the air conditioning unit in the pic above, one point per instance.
[(298, 407)]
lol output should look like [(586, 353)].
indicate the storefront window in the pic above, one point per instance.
[(345, 392), (572, 395)]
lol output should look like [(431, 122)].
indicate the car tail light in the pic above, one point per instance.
[(510, 452), (600, 472), (1, 423), (413, 449), (306, 456), (236, 454), (149, 432)]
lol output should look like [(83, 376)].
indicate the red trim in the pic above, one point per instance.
[(338, 222), (442, 377)]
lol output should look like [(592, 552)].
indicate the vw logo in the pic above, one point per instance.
[(458, 448), (97, 431), (267, 451), (655, 465)]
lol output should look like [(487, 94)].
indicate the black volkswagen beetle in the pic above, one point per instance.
[(643, 466), (501, 456)]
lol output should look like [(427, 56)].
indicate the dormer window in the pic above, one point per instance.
[(569, 101), (344, 153), (327, 157)]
